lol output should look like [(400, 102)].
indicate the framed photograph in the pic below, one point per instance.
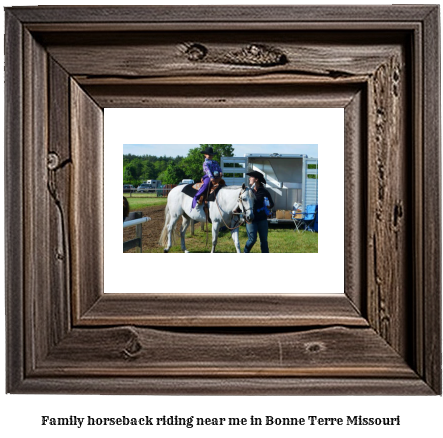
[(261, 132), (65, 65), (162, 178)]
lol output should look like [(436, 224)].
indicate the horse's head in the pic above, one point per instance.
[(245, 202)]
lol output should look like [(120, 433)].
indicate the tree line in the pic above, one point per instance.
[(170, 170)]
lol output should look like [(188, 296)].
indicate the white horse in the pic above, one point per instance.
[(221, 212)]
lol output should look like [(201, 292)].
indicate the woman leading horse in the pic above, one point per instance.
[(259, 224)]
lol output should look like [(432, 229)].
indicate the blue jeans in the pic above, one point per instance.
[(260, 228)]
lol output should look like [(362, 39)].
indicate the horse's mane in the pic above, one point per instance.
[(252, 193)]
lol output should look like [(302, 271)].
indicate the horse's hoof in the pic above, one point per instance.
[(165, 250)]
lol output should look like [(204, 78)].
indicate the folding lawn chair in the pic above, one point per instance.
[(309, 217), (297, 216)]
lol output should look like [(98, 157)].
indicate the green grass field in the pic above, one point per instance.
[(281, 239), (138, 201)]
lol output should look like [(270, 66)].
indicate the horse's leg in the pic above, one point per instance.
[(215, 228), (235, 238), (172, 222), (185, 224)]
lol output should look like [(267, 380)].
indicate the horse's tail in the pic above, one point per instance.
[(163, 241)]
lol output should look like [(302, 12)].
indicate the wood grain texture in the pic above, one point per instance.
[(355, 190), (72, 62), (86, 228), (14, 239), (38, 305), (418, 357), (388, 204), (226, 14), (240, 310), (129, 351), (59, 169), (166, 54), (225, 96), (226, 386), (432, 334)]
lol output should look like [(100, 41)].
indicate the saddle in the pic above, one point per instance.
[(214, 186)]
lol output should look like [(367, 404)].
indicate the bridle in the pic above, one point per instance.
[(240, 201), (243, 210)]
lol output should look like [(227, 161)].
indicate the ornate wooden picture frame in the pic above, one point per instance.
[(65, 64)]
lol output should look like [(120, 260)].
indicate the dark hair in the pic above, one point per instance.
[(258, 183), (257, 175)]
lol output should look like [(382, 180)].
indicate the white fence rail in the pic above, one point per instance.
[(128, 224), (137, 223)]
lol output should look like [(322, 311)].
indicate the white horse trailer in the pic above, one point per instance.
[(289, 178), (154, 183)]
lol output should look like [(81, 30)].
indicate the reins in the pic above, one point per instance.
[(239, 224)]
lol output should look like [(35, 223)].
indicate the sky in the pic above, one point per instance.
[(172, 150)]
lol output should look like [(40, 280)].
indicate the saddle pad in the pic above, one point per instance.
[(189, 190)]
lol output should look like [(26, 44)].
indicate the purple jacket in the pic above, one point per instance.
[(210, 166)]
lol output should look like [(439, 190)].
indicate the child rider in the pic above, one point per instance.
[(211, 169)]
